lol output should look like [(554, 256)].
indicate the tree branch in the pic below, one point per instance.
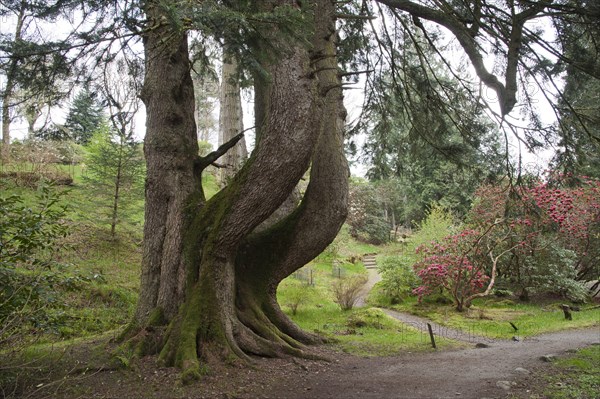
[(506, 92), (203, 162)]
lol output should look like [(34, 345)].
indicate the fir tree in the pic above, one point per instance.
[(85, 117)]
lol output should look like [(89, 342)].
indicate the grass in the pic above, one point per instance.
[(575, 377), (364, 332), (491, 317)]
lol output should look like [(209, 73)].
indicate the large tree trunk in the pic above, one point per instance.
[(171, 149), (208, 256)]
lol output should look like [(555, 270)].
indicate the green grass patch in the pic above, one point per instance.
[(491, 317), (576, 377), (364, 332)]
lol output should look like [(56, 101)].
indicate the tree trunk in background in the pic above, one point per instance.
[(7, 94), (231, 119), (207, 274)]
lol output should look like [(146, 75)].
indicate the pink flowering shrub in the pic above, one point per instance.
[(540, 238), (452, 266)]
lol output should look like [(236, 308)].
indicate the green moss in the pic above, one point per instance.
[(156, 318)]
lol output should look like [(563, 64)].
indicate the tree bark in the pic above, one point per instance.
[(170, 149), (230, 119), (7, 94), (207, 273)]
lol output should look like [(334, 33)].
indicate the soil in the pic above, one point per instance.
[(493, 369)]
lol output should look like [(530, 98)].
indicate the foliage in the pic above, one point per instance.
[(425, 131), (540, 237), (452, 266), (85, 117), (29, 238), (438, 223), (25, 231), (346, 290), (293, 294), (367, 213), (398, 276), (115, 173)]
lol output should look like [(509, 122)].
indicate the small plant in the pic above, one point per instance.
[(29, 237), (294, 293), (346, 291)]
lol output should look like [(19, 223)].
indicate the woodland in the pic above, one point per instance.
[(476, 127)]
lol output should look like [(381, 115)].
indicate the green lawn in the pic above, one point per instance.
[(491, 317)]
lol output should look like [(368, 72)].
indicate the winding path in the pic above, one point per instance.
[(370, 262)]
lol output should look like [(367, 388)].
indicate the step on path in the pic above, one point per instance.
[(369, 261)]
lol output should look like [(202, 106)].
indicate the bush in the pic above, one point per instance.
[(346, 291), (367, 318), (28, 240), (553, 271), (294, 293), (398, 277)]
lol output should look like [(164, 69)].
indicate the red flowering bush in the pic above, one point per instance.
[(539, 237), (452, 266)]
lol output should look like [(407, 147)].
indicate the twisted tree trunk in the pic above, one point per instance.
[(208, 274)]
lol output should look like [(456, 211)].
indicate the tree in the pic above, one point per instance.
[(115, 160), (231, 118), (210, 262), (11, 77), (30, 66), (115, 173), (85, 116), (579, 110)]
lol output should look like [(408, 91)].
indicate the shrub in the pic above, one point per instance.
[(367, 318), (29, 237), (294, 293), (398, 277), (346, 291)]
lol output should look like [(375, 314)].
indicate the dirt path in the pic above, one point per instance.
[(468, 373), (373, 278)]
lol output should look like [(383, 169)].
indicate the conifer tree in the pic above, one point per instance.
[(85, 117)]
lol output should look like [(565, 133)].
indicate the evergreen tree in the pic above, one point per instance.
[(579, 123), (115, 174), (425, 131), (85, 117)]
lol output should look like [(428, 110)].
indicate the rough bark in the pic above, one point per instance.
[(207, 255), (170, 149), (230, 119)]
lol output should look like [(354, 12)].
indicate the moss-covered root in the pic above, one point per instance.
[(143, 340), (288, 327), (259, 335)]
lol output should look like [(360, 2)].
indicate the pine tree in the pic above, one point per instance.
[(115, 173), (85, 117)]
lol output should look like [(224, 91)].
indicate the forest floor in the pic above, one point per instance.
[(498, 369)]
